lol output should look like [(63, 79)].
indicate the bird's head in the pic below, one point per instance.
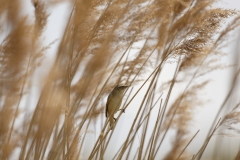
[(121, 88)]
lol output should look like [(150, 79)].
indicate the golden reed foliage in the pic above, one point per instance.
[(95, 49)]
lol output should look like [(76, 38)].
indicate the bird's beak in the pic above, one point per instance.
[(127, 86)]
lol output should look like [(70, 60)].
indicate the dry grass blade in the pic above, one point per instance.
[(199, 154), (59, 114), (188, 144), (153, 136)]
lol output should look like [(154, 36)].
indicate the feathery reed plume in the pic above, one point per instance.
[(106, 43)]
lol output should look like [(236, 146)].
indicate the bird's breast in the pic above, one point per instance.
[(114, 104)]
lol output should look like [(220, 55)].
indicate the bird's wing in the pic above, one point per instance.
[(108, 100)]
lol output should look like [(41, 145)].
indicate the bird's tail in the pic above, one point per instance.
[(112, 122)]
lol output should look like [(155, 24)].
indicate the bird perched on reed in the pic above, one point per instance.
[(114, 102)]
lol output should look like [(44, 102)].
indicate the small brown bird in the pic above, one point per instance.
[(114, 102)]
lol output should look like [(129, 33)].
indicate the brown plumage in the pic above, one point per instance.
[(114, 102)]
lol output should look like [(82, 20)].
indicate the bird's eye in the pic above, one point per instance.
[(122, 87)]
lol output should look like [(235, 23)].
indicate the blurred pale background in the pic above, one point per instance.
[(214, 93)]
